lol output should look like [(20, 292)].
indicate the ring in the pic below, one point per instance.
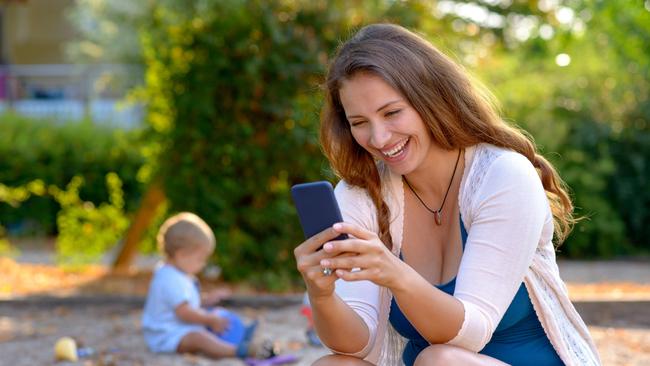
[(326, 271)]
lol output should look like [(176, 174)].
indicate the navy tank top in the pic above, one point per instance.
[(519, 339)]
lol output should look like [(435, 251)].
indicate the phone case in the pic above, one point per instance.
[(317, 207)]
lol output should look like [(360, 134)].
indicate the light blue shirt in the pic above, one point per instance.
[(169, 288)]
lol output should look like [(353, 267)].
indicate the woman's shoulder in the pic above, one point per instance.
[(493, 168), (494, 159), (347, 193), (390, 184)]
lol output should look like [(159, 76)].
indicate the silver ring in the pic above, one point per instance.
[(326, 271)]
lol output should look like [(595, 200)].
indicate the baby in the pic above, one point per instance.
[(174, 319)]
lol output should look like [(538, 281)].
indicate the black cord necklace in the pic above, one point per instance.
[(436, 213)]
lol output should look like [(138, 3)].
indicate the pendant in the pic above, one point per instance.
[(436, 216)]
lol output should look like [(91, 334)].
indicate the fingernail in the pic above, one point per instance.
[(324, 263), (338, 226), (328, 247)]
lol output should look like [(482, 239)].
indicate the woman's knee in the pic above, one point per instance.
[(437, 354), (443, 354), (340, 360)]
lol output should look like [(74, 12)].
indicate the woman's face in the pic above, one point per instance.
[(384, 123)]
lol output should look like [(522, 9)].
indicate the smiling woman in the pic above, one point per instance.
[(450, 214)]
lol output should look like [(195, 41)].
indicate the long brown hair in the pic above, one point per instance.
[(457, 113)]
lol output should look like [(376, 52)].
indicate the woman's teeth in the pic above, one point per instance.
[(396, 150)]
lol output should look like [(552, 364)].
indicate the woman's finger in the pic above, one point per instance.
[(321, 278), (315, 242), (344, 262), (354, 230), (352, 245), (369, 274)]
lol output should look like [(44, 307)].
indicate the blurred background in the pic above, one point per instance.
[(115, 114)]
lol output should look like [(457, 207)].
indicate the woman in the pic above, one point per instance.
[(451, 215)]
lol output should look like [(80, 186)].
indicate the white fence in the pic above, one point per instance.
[(71, 92)]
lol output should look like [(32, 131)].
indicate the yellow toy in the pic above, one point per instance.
[(65, 349)]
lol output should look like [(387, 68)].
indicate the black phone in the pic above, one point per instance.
[(317, 207)]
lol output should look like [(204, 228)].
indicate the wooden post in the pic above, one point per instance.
[(153, 198)]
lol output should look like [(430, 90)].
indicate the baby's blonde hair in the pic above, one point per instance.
[(184, 230)]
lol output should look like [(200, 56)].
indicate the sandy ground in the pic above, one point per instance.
[(612, 297), (30, 332), (114, 332)]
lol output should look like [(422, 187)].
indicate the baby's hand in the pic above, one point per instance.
[(218, 324), (215, 296)]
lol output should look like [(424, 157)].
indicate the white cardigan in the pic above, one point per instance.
[(510, 228)]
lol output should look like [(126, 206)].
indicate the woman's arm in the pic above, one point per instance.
[(506, 228), (339, 327), (511, 216), (436, 315), (345, 319), (345, 313)]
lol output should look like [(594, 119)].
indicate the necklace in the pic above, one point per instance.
[(436, 213)]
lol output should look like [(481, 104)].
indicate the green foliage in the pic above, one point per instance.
[(232, 96), (15, 196), (6, 249), (233, 108), (591, 119), (45, 153), (149, 243), (87, 231)]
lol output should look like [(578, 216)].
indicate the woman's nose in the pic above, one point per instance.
[(380, 135)]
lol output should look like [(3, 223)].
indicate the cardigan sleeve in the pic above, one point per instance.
[(361, 296), (509, 212)]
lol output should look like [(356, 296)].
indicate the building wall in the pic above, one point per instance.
[(35, 31)]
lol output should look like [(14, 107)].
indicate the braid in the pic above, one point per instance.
[(383, 212), (367, 176)]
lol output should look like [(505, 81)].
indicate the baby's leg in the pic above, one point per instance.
[(206, 343)]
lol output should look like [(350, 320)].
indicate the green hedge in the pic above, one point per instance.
[(56, 152), (233, 102)]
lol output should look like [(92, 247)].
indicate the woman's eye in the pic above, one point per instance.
[(356, 123), (393, 112)]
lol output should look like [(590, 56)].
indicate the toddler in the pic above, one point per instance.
[(174, 319)]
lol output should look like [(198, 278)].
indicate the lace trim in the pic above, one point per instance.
[(561, 317), (562, 324), (391, 352), (481, 161)]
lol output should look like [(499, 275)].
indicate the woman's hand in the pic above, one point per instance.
[(374, 261), (308, 258)]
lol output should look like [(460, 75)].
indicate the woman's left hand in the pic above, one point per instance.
[(372, 260)]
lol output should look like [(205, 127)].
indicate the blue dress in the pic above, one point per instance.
[(519, 339)]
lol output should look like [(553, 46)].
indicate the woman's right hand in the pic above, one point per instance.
[(308, 256)]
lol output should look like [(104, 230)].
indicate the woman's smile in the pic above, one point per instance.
[(397, 151), (384, 123)]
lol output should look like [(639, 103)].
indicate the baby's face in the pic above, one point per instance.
[(191, 260)]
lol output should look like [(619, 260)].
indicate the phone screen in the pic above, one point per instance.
[(317, 207)]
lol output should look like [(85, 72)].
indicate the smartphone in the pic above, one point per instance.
[(317, 207)]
